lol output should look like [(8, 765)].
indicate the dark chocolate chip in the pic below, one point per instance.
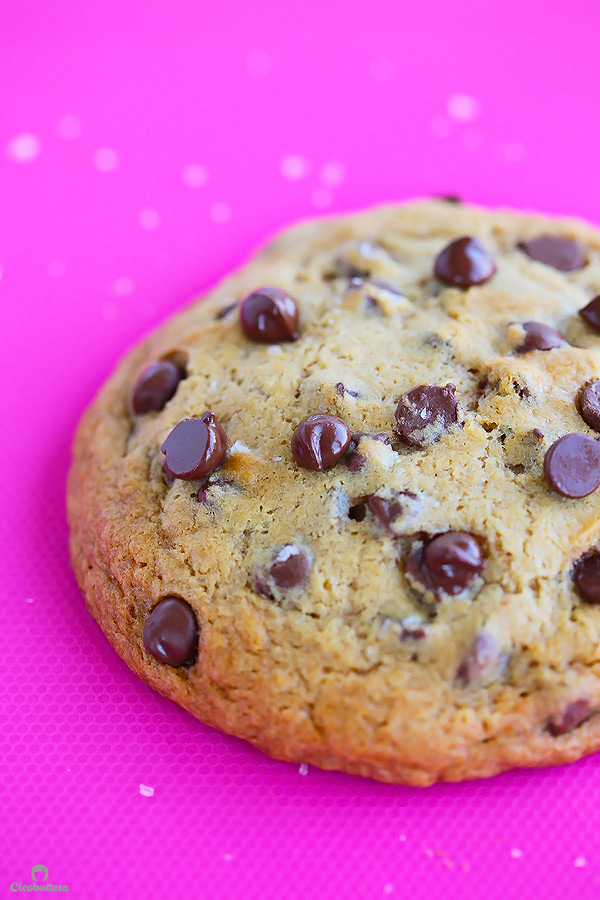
[(269, 315), (591, 313), (355, 461), (447, 563), (205, 496), (358, 511), (587, 577), (387, 510), (171, 632), (342, 389), (224, 312), (561, 253), (573, 715), (572, 465), (589, 404), (320, 441), (412, 629), (450, 198), (539, 337), (425, 413), (290, 567), (195, 447), (537, 434), (521, 389), (155, 387), (464, 262), (481, 661)]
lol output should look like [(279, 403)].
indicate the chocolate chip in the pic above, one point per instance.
[(481, 662), (587, 577), (447, 563), (342, 389), (589, 404), (464, 263), (195, 447), (171, 632), (591, 313), (320, 441), (155, 387), (572, 465), (224, 312), (205, 495), (290, 567), (412, 629), (561, 253), (354, 460), (450, 198), (387, 510), (570, 718), (538, 434), (358, 511), (539, 337), (269, 315), (424, 413)]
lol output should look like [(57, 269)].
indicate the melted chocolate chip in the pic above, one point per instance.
[(412, 629), (195, 447), (354, 460), (342, 389), (320, 441), (425, 413), (290, 567), (385, 510), (171, 632), (205, 495), (591, 313), (269, 315), (570, 718), (589, 404), (224, 312), (587, 578), (446, 564), (464, 263), (561, 253), (572, 465), (539, 337), (481, 661), (155, 387)]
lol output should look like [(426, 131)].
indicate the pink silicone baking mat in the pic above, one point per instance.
[(145, 149)]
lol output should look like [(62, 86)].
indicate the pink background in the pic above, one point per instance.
[(104, 230)]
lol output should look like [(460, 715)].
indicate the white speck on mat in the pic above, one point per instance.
[(388, 888), (220, 213), (228, 857), (195, 176), (515, 853), (30, 600), (303, 769), (332, 173), (149, 219), (580, 862), (463, 107), (105, 159), (146, 790), (121, 287), (294, 167), (24, 148), (402, 838)]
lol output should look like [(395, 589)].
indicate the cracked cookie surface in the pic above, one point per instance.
[(375, 551)]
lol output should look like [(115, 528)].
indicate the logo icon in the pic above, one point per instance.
[(39, 882), (42, 871)]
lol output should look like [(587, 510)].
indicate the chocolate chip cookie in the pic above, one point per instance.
[(346, 506)]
